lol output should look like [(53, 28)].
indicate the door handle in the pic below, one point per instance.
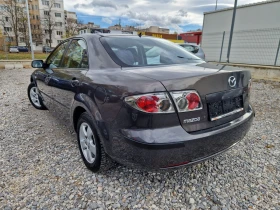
[(75, 83), (47, 79)]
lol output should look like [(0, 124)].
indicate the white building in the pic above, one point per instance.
[(54, 9), (87, 28), (256, 33), (71, 23)]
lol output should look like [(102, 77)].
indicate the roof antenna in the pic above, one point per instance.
[(140, 34)]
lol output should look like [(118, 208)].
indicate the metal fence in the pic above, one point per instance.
[(259, 47)]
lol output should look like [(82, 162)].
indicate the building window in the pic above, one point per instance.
[(21, 30), (59, 33), (32, 7), (46, 13), (38, 26), (37, 17), (44, 2), (46, 31), (7, 29), (9, 39), (33, 16), (47, 41), (21, 39), (58, 23), (57, 14), (3, 8), (7, 19), (56, 5)]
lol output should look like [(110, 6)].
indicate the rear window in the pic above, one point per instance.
[(146, 51)]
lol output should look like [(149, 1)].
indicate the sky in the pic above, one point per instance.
[(177, 15)]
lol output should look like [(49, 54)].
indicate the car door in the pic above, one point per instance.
[(43, 76), (68, 77)]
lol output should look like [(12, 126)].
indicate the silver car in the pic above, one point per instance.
[(193, 48), (13, 49)]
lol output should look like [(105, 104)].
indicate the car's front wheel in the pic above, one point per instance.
[(34, 97), (91, 148)]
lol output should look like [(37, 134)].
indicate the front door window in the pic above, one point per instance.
[(55, 58), (76, 55)]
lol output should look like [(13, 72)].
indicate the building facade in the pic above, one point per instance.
[(14, 25), (192, 37), (52, 21), (155, 29), (71, 24), (88, 28), (256, 34)]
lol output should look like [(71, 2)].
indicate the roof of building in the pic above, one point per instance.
[(243, 6)]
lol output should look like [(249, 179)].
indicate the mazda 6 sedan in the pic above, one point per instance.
[(142, 101)]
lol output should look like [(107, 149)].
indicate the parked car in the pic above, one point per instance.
[(22, 49), (47, 49), (195, 49), (143, 102), (13, 49)]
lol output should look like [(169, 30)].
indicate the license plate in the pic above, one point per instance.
[(224, 108)]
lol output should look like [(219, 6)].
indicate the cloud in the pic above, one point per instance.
[(106, 20), (182, 13), (125, 6), (173, 14), (97, 3)]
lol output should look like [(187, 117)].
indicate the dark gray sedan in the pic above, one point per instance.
[(142, 101)]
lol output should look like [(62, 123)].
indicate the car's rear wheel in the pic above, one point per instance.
[(34, 97), (90, 146)]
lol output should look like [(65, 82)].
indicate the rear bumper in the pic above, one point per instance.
[(173, 147)]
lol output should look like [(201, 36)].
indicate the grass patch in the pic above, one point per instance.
[(22, 56)]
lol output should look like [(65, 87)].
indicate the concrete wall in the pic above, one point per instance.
[(256, 34)]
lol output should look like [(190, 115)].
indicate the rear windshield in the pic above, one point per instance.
[(146, 51)]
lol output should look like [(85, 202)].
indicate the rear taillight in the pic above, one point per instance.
[(187, 101), (151, 103), (160, 102)]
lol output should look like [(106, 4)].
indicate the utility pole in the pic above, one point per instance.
[(216, 5), (29, 30), (231, 30)]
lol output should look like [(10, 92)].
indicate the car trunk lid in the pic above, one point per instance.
[(219, 98)]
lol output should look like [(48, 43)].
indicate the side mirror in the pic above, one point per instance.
[(37, 64)]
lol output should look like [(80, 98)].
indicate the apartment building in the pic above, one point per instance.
[(14, 31), (35, 23), (52, 21), (71, 23)]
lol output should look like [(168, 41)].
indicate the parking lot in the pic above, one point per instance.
[(41, 168)]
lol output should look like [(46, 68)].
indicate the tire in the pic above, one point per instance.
[(34, 97), (100, 161)]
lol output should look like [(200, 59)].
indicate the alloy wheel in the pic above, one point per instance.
[(87, 142), (34, 95)]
